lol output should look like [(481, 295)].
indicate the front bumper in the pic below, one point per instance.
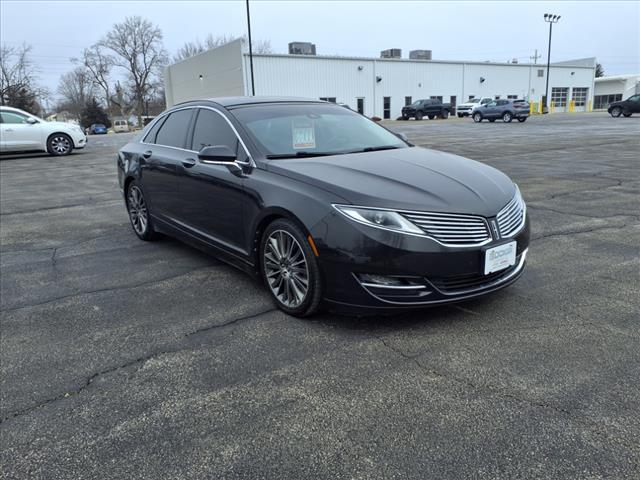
[(79, 140), (432, 273)]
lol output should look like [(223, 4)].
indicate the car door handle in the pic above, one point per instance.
[(188, 162), (147, 154)]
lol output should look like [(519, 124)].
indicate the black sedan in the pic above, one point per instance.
[(326, 206), (625, 107)]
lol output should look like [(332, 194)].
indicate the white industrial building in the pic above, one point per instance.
[(614, 88), (375, 86)]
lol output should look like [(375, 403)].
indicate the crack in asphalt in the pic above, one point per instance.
[(182, 344), (59, 207), (576, 232), (543, 207), (502, 393), (106, 289)]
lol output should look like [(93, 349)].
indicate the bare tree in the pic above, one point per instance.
[(76, 89), (98, 65), (195, 47), (137, 45), (18, 80)]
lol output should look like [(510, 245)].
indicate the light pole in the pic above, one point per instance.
[(550, 19), (253, 88)]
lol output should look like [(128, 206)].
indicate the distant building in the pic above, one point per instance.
[(375, 86), (613, 88)]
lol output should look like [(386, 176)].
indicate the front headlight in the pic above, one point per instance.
[(384, 219)]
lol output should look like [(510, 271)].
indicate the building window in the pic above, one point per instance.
[(497, 97), (512, 97), (407, 101), (360, 105), (559, 96), (436, 97), (386, 107), (603, 101), (471, 97), (452, 101), (328, 99), (579, 96), (540, 72)]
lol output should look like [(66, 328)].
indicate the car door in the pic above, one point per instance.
[(212, 194), (490, 110), (18, 133), (634, 104), (161, 156)]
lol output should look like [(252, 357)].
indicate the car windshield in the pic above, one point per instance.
[(99, 125), (474, 100), (416, 103), (307, 130)]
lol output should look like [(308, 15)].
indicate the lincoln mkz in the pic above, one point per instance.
[(327, 207)]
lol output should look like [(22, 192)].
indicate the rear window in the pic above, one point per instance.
[(173, 132)]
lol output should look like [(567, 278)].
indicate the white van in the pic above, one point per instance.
[(120, 126)]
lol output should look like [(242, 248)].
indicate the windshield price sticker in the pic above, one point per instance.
[(303, 136)]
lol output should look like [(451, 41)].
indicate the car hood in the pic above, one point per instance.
[(406, 179)]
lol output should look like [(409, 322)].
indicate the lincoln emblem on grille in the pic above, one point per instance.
[(494, 227)]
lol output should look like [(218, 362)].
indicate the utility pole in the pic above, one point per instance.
[(535, 57), (253, 87), (550, 19)]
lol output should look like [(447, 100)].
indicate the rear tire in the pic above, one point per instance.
[(477, 117), (459, 115), (445, 115), (522, 119), (290, 269), (139, 215), (418, 115), (507, 117), (59, 144), (616, 112)]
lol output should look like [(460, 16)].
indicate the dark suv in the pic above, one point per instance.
[(625, 107), (507, 110)]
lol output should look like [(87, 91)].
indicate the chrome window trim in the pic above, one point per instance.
[(251, 161), (421, 235)]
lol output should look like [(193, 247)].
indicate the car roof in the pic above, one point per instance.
[(239, 101)]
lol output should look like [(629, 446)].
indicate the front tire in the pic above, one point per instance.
[(477, 117), (290, 269), (616, 112), (431, 117), (507, 117), (59, 144), (445, 115), (139, 213), (418, 115), (522, 119)]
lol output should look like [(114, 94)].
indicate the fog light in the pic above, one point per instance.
[(380, 280)]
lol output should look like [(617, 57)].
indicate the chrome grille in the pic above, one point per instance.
[(452, 229), (511, 217)]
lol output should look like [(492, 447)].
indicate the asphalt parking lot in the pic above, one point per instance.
[(124, 359)]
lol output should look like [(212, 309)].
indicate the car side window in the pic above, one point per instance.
[(211, 129), (635, 98), (173, 132), (491, 104), (11, 117), (503, 102)]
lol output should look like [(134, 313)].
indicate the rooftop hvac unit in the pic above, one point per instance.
[(302, 48), (391, 53), (420, 54)]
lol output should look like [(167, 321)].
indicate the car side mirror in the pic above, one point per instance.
[(217, 153), (31, 121)]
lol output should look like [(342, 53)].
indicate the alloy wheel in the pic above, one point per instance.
[(60, 145), (286, 269), (138, 212)]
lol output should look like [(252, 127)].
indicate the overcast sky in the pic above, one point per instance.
[(497, 31)]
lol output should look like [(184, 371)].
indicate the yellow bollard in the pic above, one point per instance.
[(590, 107), (572, 106)]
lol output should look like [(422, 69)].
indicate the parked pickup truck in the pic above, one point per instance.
[(429, 108), (467, 108)]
